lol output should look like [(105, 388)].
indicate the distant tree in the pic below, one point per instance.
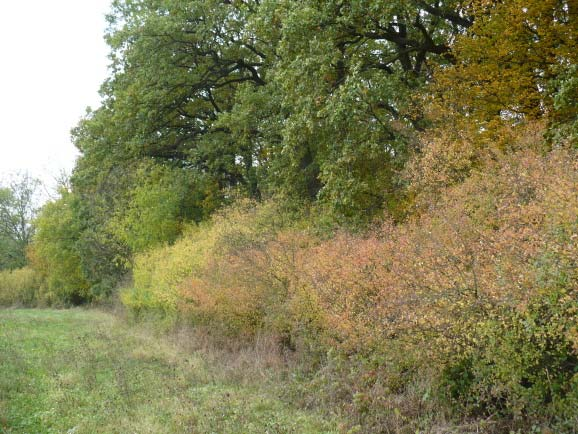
[(17, 210)]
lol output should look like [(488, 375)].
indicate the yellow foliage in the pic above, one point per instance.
[(158, 273), (19, 287), (506, 59), (219, 272)]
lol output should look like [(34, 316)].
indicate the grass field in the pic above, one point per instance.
[(83, 371)]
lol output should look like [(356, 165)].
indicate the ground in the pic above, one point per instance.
[(86, 371)]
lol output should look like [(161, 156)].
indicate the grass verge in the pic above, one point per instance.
[(79, 371)]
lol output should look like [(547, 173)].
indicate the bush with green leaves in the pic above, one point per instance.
[(524, 363), (56, 255), (159, 206)]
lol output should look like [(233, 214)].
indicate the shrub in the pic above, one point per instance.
[(449, 290), (55, 254), (213, 274), (158, 272), (451, 295), (524, 365)]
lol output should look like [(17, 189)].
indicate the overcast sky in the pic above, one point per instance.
[(52, 61)]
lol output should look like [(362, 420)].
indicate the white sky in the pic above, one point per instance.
[(52, 61)]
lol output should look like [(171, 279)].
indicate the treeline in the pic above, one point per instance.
[(390, 188)]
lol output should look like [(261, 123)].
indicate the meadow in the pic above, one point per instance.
[(85, 371)]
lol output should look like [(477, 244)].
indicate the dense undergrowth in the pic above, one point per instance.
[(471, 305), (19, 287)]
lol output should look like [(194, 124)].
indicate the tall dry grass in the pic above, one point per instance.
[(19, 287)]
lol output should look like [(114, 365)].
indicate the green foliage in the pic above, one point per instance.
[(158, 207), (565, 128), (239, 94), (17, 210), (177, 66), (56, 254), (524, 364), (348, 84)]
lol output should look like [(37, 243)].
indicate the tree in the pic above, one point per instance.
[(348, 74), (313, 100), (56, 253), (512, 75), (159, 207), (176, 67), (18, 206), (508, 63)]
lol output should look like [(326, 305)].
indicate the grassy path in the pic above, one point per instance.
[(78, 371)]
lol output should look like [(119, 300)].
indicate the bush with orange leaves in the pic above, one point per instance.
[(433, 293), (251, 289), (483, 244), (439, 291), (480, 246), (233, 274)]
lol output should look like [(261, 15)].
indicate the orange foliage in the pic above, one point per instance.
[(247, 288), (475, 249), (478, 247), (404, 299), (428, 280)]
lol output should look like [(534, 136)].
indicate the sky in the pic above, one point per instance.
[(53, 59)]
